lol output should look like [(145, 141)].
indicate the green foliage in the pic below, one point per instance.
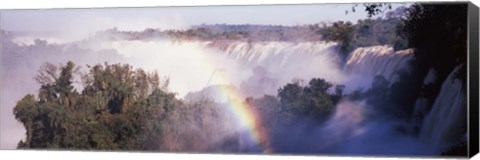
[(368, 32), (290, 93), (119, 109), (300, 101), (439, 34), (63, 85), (340, 31), (25, 108), (125, 109), (24, 111), (97, 118)]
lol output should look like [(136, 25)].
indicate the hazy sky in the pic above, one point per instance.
[(174, 17)]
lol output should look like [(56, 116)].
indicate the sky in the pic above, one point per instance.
[(174, 17)]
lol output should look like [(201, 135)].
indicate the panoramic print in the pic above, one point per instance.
[(375, 79)]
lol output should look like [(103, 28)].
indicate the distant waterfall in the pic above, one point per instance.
[(273, 64), (277, 63), (377, 60), (278, 53), (445, 124)]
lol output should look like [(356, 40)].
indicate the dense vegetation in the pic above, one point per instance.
[(438, 32), (368, 32), (123, 108), (60, 117)]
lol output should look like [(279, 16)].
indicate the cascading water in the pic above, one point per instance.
[(445, 124), (274, 52), (377, 60), (273, 64)]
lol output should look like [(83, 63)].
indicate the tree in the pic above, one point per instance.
[(339, 90), (340, 31), (290, 93), (47, 94), (102, 116), (373, 9), (317, 99), (438, 32), (141, 84), (318, 86), (63, 85), (47, 74), (25, 111), (312, 100), (64, 82)]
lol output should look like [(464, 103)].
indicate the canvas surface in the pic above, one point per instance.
[(382, 79)]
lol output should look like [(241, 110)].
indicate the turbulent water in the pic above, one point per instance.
[(254, 69), (445, 124)]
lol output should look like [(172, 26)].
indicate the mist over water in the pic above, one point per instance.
[(368, 62), (197, 68), (352, 130)]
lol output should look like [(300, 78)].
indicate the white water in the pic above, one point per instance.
[(368, 62), (445, 123), (274, 64)]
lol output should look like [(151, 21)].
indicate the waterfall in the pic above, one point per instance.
[(277, 53), (273, 64), (377, 60), (277, 63), (445, 124)]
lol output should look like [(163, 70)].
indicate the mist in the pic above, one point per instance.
[(196, 69), (191, 66), (354, 129)]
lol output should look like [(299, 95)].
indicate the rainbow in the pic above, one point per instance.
[(245, 113), (248, 117)]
